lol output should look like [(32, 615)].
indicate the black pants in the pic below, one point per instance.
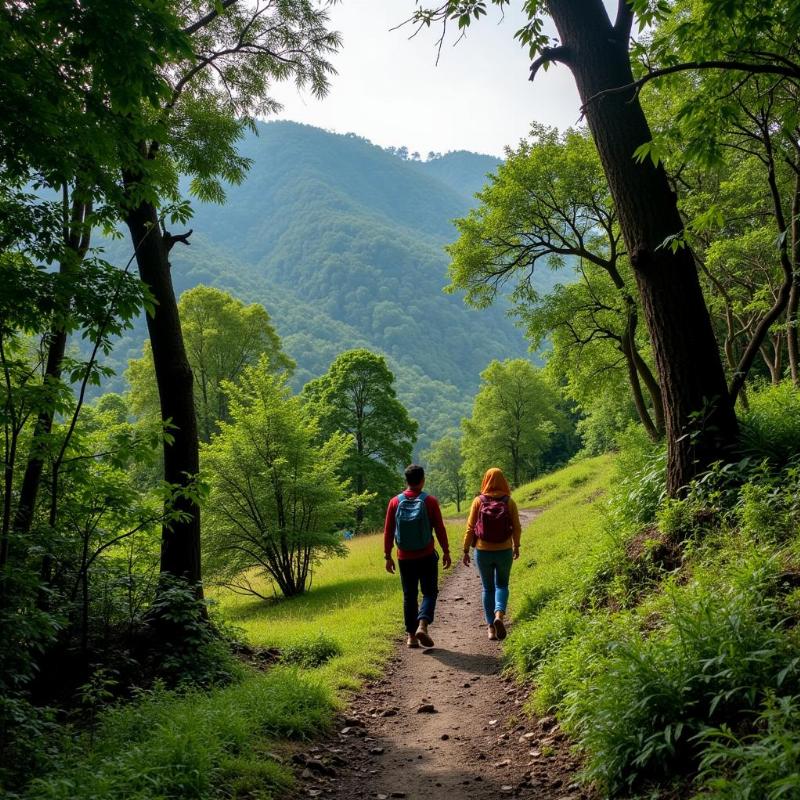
[(419, 574)]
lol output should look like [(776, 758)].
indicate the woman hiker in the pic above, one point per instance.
[(493, 529)]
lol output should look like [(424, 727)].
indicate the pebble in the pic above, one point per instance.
[(444, 737), (426, 708), (376, 751), (506, 762)]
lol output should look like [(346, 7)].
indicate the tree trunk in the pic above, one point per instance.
[(180, 539), (76, 241), (636, 388), (699, 416), (794, 294)]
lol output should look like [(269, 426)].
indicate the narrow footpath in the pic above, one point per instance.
[(443, 723)]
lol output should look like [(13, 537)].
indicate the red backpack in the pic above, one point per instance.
[(494, 519)]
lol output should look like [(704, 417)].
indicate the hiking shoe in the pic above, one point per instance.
[(500, 628), (424, 637), (492, 633), (411, 641)]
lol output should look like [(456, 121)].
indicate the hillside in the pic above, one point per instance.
[(342, 242)]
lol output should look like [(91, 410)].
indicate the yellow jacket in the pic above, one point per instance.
[(494, 485)]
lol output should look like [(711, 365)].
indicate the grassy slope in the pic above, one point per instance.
[(353, 601), (568, 531)]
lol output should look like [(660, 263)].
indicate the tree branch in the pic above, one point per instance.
[(548, 54), (208, 18), (735, 66), (171, 239)]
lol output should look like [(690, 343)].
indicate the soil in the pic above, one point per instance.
[(443, 723)]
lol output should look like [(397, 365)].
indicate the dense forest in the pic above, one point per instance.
[(222, 340)]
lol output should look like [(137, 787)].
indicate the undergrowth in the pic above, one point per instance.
[(663, 633)]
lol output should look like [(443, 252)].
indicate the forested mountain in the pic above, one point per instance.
[(342, 242)]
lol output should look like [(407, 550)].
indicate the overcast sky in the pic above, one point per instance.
[(390, 90)]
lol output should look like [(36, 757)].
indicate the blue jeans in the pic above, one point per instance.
[(494, 567), (419, 574)]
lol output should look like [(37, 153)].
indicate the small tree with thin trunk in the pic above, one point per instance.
[(514, 419), (444, 465), (276, 500)]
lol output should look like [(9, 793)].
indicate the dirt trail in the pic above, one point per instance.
[(475, 744)]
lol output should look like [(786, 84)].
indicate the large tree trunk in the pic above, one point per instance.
[(699, 415), (180, 539)]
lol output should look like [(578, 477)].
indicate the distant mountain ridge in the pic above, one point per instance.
[(342, 242)]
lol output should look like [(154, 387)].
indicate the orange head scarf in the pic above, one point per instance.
[(495, 483)]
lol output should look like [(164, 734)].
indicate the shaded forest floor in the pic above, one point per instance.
[(443, 723)]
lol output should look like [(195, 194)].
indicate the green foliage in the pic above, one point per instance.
[(548, 207), (765, 764), (275, 500), (516, 419), (167, 744), (771, 425), (222, 336), (356, 398), (183, 648), (312, 652), (444, 470), (718, 652)]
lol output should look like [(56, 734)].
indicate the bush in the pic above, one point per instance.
[(168, 744), (640, 483), (719, 654), (763, 765), (770, 428), (312, 652)]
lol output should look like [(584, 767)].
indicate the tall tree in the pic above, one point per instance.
[(445, 469), (515, 417), (699, 416), (223, 336), (356, 396), (237, 51), (68, 137), (549, 206)]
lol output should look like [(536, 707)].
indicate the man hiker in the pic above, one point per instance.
[(411, 519)]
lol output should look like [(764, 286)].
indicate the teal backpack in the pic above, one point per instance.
[(412, 528)]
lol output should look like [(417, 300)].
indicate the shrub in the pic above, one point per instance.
[(770, 429), (763, 765), (720, 652), (639, 485), (311, 652), (167, 744)]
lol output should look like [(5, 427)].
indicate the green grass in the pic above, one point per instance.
[(567, 533), (353, 601), (220, 743), (192, 745)]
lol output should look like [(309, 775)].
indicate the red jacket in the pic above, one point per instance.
[(437, 523)]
